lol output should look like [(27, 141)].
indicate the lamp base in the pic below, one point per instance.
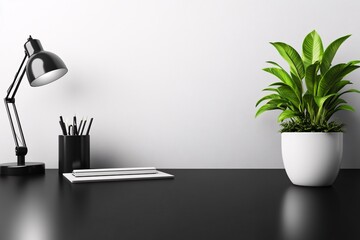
[(30, 168)]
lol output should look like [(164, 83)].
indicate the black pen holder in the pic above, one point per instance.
[(74, 153)]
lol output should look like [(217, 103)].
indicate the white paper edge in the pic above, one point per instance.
[(158, 175)]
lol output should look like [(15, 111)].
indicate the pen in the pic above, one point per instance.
[(62, 125), (91, 120), (83, 127), (69, 129), (74, 125), (80, 125)]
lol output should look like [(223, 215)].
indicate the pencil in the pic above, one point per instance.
[(91, 120)]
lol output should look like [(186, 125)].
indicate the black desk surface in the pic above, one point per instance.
[(197, 204)]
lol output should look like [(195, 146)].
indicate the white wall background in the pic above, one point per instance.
[(170, 83)]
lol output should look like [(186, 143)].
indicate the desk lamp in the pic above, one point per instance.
[(41, 68)]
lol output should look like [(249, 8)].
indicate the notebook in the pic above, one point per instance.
[(125, 177)]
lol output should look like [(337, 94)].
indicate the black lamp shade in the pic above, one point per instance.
[(43, 67)]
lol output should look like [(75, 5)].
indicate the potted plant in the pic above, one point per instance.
[(308, 95)]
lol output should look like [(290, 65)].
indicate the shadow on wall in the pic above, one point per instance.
[(103, 153), (351, 154), (100, 158)]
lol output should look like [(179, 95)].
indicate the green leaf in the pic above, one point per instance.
[(308, 97), (270, 89), (312, 48), (334, 75), (310, 104), (281, 74), (298, 83), (330, 52), (287, 114), (281, 103), (292, 57), (339, 101), (350, 91), (345, 107), (277, 84), (321, 100), (335, 102), (288, 93), (270, 96), (274, 63), (285, 78), (354, 62), (311, 77), (266, 107), (339, 85), (335, 107)]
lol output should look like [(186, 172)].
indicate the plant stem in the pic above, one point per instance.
[(318, 115)]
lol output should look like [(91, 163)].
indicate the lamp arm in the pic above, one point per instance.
[(15, 85), (20, 149)]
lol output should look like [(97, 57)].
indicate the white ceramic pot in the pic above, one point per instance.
[(312, 158)]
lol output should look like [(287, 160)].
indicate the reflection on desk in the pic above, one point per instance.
[(198, 204), (310, 213)]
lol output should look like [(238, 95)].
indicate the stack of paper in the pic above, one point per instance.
[(114, 174)]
